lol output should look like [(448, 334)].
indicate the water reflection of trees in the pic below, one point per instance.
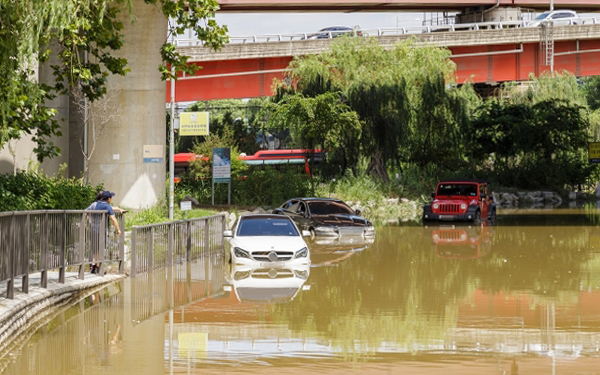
[(400, 291)]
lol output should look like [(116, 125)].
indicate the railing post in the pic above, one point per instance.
[(44, 251), (122, 245), (206, 237), (151, 249), (170, 245), (81, 255), (133, 252), (10, 286), (25, 279), (63, 249), (102, 232), (188, 247)]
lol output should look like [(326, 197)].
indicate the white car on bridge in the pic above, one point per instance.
[(557, 17), (271, 241)]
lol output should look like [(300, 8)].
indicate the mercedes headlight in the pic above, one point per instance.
[(301, 274), (241, 253), (302, 253), (241, 275)]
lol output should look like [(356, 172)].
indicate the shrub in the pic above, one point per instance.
[(30, 191)]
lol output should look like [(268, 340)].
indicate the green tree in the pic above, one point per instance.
[(322, 122), (390, 90), (532, 146)]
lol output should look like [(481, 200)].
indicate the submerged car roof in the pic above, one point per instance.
[(318, 199), (263, 216), (464, 181)]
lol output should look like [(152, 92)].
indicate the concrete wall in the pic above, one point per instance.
[(118, 158)]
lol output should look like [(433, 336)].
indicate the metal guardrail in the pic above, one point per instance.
[(162, 245), (378, 32), (39, 241)]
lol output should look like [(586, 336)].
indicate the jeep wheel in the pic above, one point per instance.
[(477, 218)]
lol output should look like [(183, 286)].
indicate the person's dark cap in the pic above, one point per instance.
[(107, 194)]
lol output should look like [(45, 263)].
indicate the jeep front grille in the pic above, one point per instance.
[(450, 235), (449, 208)]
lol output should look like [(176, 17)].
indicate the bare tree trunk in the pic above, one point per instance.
[(377, 167)]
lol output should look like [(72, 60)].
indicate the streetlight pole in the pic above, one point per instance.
[(172, 138)]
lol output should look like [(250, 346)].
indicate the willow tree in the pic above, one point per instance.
[(30, 29), (384, 87), (321, 122)]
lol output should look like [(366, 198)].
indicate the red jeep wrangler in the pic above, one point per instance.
[(461, 200)]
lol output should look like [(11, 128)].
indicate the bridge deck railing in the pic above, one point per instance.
[(40, 241), (265, 38), (161, 245)]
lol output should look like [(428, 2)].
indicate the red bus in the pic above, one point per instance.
[(264, 157)]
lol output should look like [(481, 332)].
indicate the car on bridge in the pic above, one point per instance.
[(335, 31), (270, 241), (326, 217), (557, 17), (461, 200)]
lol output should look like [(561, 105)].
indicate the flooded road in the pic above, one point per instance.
[(521, 297)]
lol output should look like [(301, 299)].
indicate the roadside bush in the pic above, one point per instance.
[(30, 191), (270, 187)]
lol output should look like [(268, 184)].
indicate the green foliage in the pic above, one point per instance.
[(549, 86), (30, 191), (153, 215), (269, 187), (202, 167), (538, 146), (231, 115), (399, 96), (591, 88)]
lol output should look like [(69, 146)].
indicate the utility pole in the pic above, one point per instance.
[(172, 138)]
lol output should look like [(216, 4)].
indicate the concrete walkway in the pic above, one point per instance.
[(23, 303)]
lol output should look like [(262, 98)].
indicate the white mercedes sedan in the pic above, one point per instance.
[(272, 241)]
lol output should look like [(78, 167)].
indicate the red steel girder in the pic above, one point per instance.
[(249, 78)]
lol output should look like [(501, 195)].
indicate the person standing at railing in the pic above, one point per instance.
[(103, 204)]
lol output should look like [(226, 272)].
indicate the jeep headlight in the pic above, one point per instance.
[(241, 253), (436, 206), (463, 206), (302, 253)]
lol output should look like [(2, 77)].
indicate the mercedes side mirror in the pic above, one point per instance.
[(305, 233), (227, 233), (357, 212)]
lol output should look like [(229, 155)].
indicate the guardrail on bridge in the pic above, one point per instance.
[(265, 38), (39, 241)]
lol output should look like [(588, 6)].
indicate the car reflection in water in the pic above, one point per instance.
[(462, 242), (273, 285), (328, 251)]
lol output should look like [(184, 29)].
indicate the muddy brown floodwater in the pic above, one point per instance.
[(521, 297)]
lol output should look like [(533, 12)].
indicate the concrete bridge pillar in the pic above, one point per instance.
[(137, 116)]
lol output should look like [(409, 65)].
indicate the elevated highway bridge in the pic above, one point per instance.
[(491, 56), (395, 5)]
